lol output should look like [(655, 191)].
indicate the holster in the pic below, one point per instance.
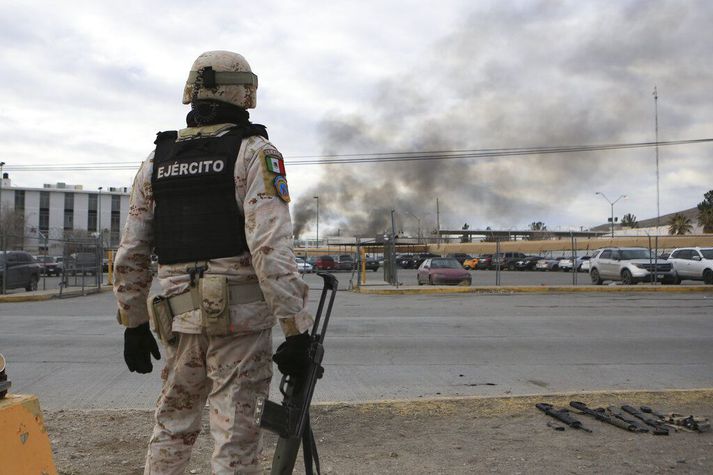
[(161, 318), (215, 304)]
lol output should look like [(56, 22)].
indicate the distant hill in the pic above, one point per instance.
[(691, 213)]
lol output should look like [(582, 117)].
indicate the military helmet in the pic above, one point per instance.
[(221, 76)]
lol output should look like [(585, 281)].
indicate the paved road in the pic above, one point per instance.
[(69, 351)]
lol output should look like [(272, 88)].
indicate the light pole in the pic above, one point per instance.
[(99, 214), (317, 198), (4, 244), (612, 203)]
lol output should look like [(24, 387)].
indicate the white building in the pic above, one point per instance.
[(53, 212)]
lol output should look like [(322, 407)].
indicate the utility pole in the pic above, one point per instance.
[(438, 221), (656, 127), (317, 198), (4, 240)]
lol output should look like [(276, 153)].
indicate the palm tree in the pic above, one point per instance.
[(679, 225), (705, 212), (629, 220), (538, 226)]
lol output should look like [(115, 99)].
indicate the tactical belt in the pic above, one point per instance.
[(239, 293)]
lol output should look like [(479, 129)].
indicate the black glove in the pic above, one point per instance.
[(292, 356), (139, 345)]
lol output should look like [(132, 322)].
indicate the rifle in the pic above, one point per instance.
[(561, 415), (616, 412), (290, 420), (600, 415), (659, 427)]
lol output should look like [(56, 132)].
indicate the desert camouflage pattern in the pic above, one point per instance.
[(230, 372), (244, 96), (268, 229)]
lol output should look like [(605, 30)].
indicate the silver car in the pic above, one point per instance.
[(630, 265), (692, 263)]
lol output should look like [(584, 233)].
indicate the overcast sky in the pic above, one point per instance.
[(92, 82)]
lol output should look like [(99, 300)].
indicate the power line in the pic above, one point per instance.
[(386, 157)]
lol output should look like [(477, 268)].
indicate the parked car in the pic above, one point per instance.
[(49, 265), (371, 264), (527, 263), (548, 264), (692, 263), (584, 265), (302, 266), (565, 264), (420, 258), (325, 263), (470, 263), (484, 261), (629, 265), (460, 257), (344, 262), (81, 263), (19, 269), (506, 260), (442, 271), (311, 260), (406, 261)]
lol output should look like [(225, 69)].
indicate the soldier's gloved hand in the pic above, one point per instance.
[(139, 345), (292, 356)]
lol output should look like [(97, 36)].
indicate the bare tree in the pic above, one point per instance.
[(12, 228)]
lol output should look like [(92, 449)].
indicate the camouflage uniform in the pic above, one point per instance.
[(230, 371)]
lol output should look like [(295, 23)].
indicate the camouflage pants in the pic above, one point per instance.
[(230, 372)]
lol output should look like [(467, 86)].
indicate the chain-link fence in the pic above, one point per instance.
[(40, 262)]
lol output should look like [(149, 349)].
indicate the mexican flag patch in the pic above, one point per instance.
[(275, 164)]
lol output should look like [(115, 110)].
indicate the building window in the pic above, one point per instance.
[(44, 212), (20, 200), (92, 213), (68, 211)]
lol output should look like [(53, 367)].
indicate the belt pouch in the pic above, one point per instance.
[(161, 318), (215, 305)]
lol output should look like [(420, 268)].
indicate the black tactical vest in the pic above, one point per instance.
[(196, 216)]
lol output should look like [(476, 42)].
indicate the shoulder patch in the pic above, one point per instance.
[(281, 187), (274, 162)]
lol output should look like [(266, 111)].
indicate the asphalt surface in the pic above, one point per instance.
[(69, 351)]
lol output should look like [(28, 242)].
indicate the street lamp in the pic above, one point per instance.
[(99, 213), (317, 198), (612, 203), (4, 244)]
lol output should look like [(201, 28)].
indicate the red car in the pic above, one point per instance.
[(442, 271), (325, 263)]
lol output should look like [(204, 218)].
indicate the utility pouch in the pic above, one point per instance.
[(215, 304), (161, 318)]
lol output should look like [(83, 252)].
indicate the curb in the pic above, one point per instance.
[(532, 289), (490, 406), (32, 297)]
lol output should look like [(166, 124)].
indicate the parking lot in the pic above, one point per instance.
[(407, 277)]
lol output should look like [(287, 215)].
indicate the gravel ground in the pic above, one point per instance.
[(473, 435)]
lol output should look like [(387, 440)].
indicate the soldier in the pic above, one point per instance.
[(211, 202)]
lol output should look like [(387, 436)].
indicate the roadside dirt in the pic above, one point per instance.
[(485, 435)]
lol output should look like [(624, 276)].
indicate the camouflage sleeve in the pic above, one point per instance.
[(268, 229), (132, 274)]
